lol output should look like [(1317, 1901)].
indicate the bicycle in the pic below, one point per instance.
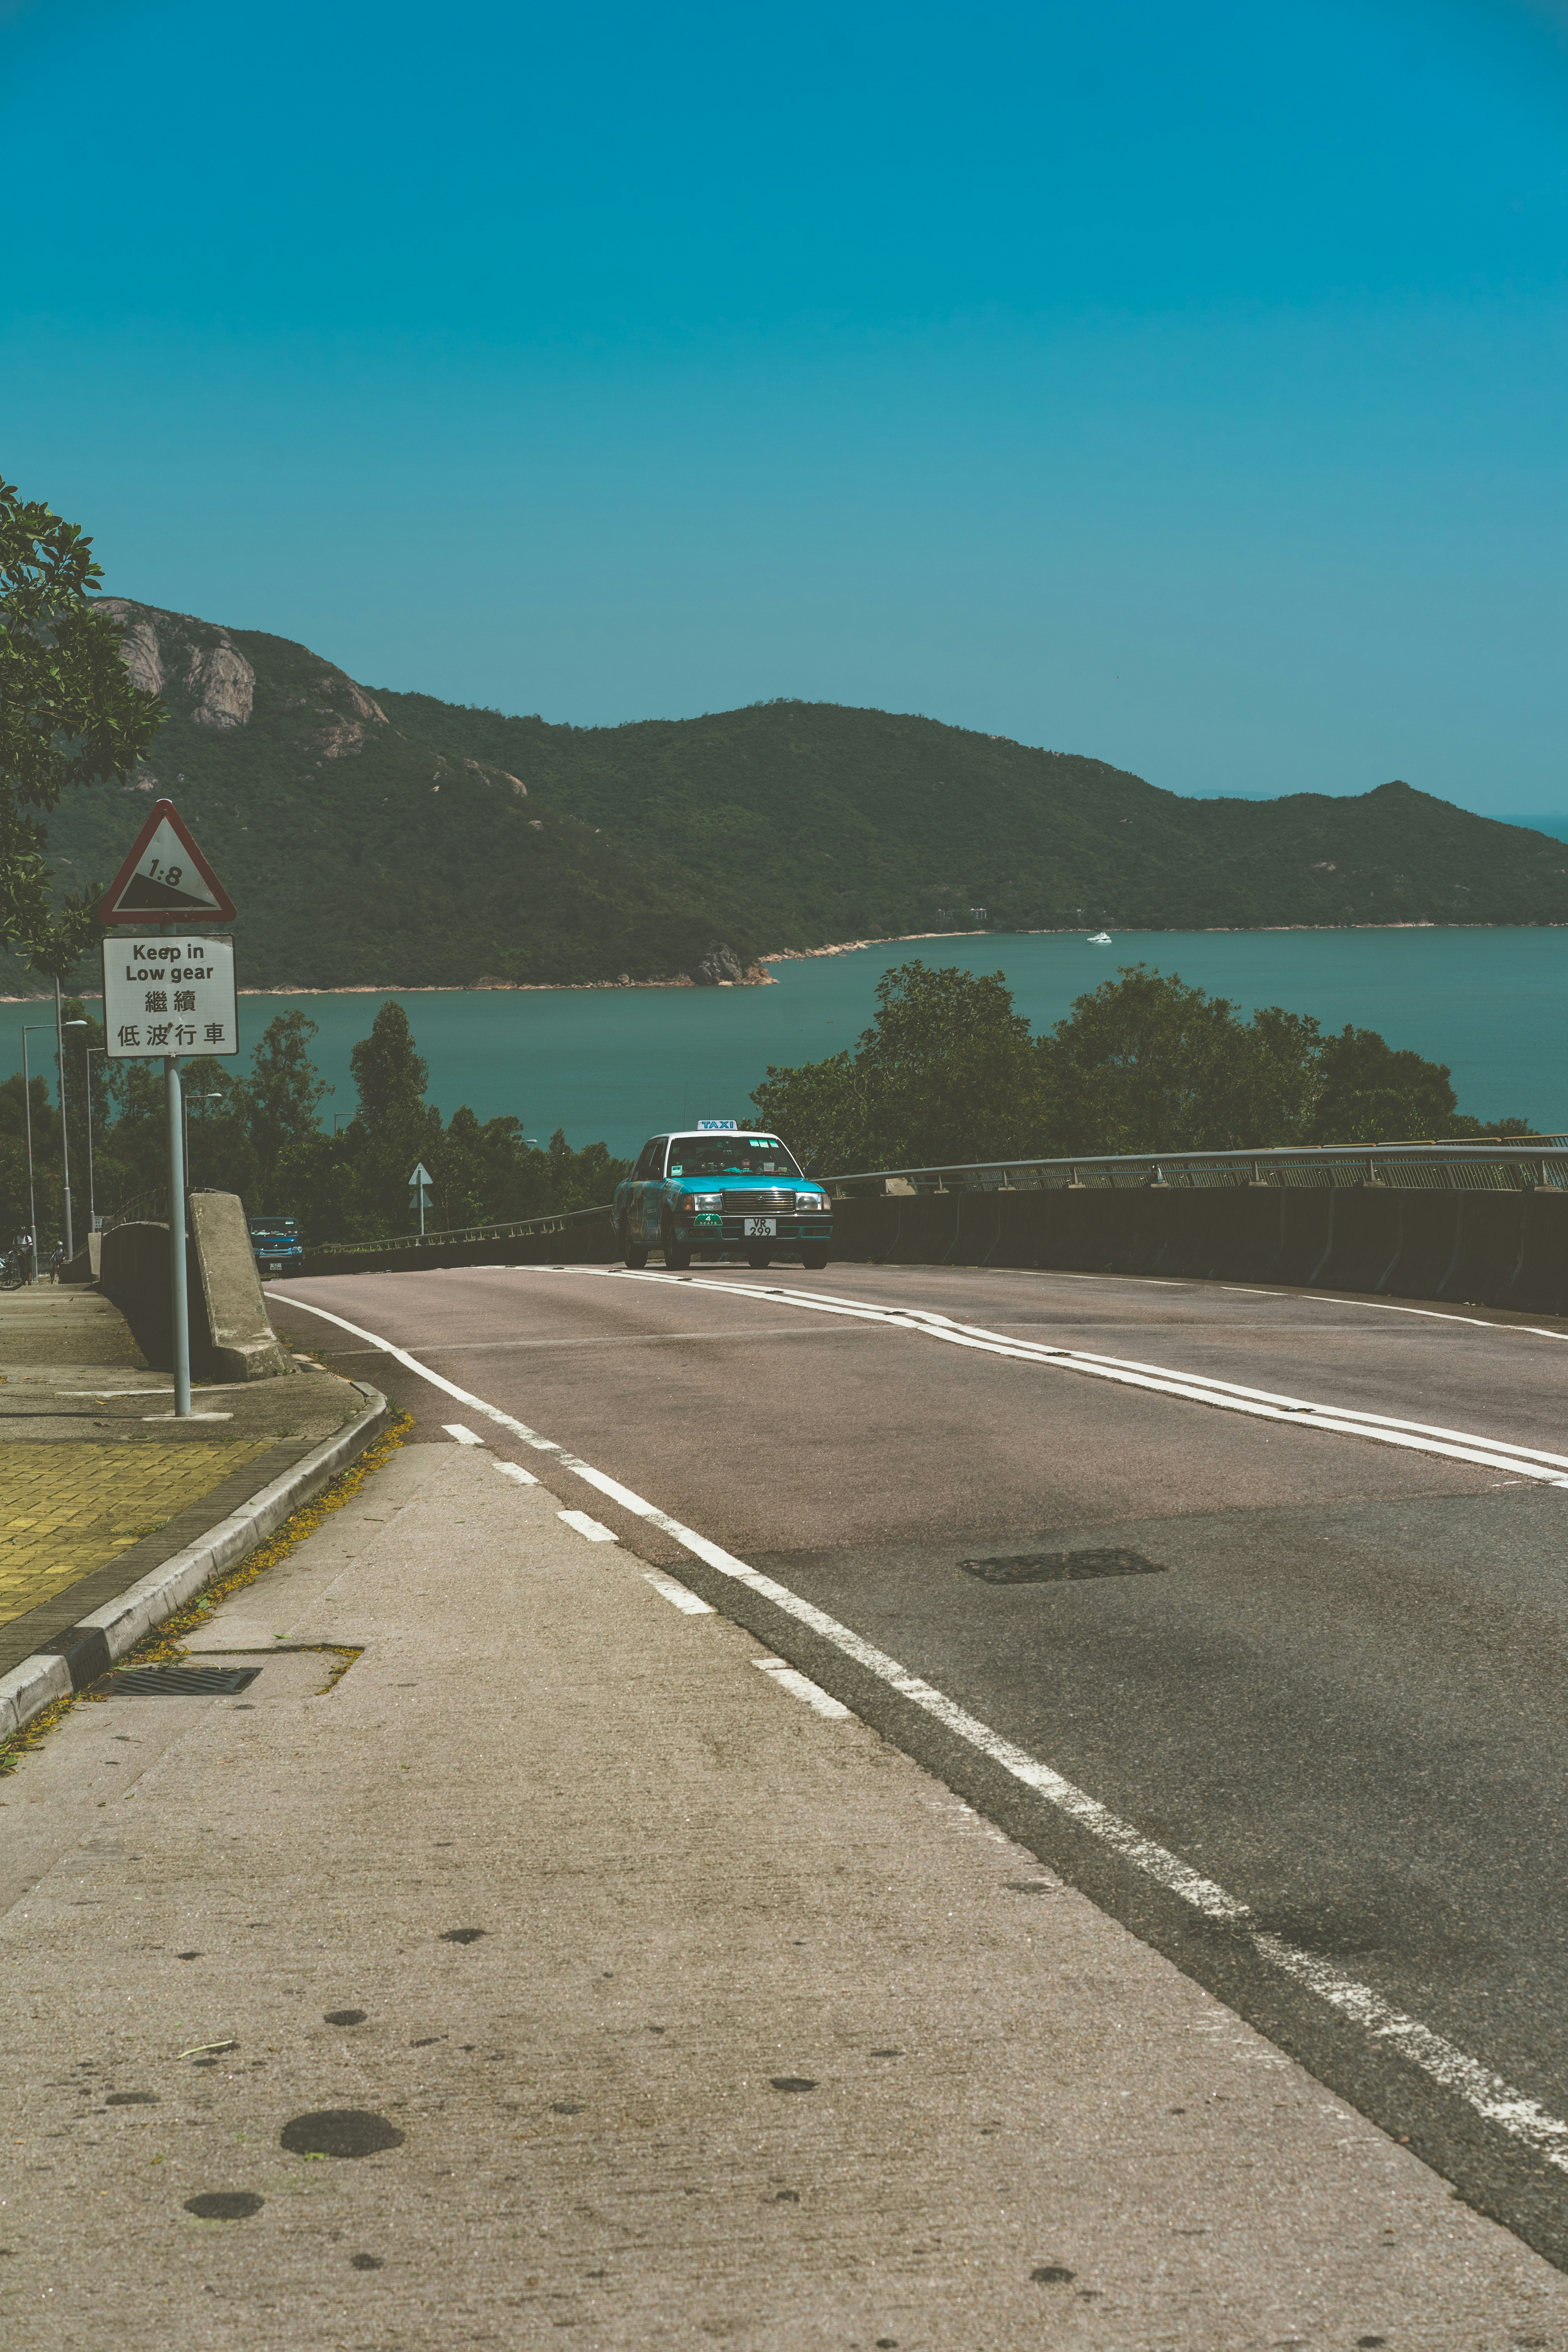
[(17, 1265)]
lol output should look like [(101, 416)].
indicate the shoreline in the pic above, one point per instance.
[(806, 955)]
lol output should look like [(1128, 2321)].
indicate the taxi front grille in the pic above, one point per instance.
[(757, 1205)]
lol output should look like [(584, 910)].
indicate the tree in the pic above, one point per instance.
[(280, 1097), (1146, 1063), (69, 715), (1372, 1092), (14, 1201), (947, 1072), (392, 1127)]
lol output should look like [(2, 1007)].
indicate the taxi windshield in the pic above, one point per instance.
[(730, 1155)]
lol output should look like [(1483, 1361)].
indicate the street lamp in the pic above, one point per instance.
[(62, 1025), (91, 1197), (65, 1144), (27, 1104)]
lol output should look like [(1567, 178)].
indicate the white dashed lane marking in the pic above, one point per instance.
[(790, 1678), (592, 1528), (680, 1595)]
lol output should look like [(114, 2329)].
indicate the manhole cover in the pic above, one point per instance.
[(180, 1681), (1060, 1567)]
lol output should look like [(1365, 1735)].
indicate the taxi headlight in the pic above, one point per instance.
[(701, 1200), (812, 1204)]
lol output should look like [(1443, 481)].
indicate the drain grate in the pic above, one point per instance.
[(1060, 1567), (180, 1681)]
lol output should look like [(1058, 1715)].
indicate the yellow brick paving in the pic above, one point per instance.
[(65, 1509)]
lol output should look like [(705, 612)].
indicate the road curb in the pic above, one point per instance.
[(82, 1653)]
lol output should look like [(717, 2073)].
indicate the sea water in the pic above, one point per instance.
[(617, 1065)]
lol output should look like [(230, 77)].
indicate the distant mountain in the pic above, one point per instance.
[(383, 839)]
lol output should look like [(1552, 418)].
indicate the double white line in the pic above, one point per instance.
[(1225, 1396)]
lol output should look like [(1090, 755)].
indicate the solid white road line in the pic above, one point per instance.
[(681, 1595), (1194, 1388), (1522, 2118), (594, 1530), (464, 1436), (790, 1678)]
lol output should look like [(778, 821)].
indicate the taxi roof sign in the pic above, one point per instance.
[(165, 878), (716, 1127)]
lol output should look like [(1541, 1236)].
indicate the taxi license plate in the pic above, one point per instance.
[(761, 1228)]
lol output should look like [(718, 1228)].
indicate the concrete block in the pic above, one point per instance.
[(231, 1335), (240, 1337)]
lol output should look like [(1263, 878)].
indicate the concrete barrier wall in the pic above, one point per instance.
[(1494, 1249), (232, 1337)]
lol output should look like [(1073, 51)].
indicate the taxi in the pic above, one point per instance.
[(722, 1191)]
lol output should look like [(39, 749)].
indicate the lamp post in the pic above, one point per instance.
[(91, 1196), (27, 1026), (65, 1145), (62, 1027)]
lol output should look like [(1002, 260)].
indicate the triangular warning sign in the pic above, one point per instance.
[(165, 877)]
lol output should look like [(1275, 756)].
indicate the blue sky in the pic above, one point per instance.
[(1183, 387)]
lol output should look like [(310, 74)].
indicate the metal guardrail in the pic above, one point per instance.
[(513, 1229), (150, 1207), (1535, 1161)]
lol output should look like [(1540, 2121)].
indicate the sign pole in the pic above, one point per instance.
[(179, 1303), (173, 998)]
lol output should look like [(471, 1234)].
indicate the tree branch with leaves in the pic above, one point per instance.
[(69, 715)]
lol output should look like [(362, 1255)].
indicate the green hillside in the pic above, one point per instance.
[(817, 823), (391, 840)]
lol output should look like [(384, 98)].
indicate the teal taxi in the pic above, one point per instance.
[(719, 1190)]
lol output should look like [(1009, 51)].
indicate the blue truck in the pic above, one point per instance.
[(719, 1190), (276, 1243)]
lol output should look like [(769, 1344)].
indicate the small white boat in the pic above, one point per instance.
[(1100, 939)]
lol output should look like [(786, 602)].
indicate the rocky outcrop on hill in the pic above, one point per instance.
[(189, 664), (720, 964), (199, 673)]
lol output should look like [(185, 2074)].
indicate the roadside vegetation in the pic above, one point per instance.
[(949, 1072), (261, 1133), (71, 718)]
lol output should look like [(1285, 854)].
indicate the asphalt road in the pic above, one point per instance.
[(1333, 1692)]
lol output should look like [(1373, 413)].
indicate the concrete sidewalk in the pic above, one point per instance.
[(557, 1970)]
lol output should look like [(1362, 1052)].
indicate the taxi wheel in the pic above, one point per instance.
[(814, 1260), (757, 1259), (677, 1255), (634, 1253)]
